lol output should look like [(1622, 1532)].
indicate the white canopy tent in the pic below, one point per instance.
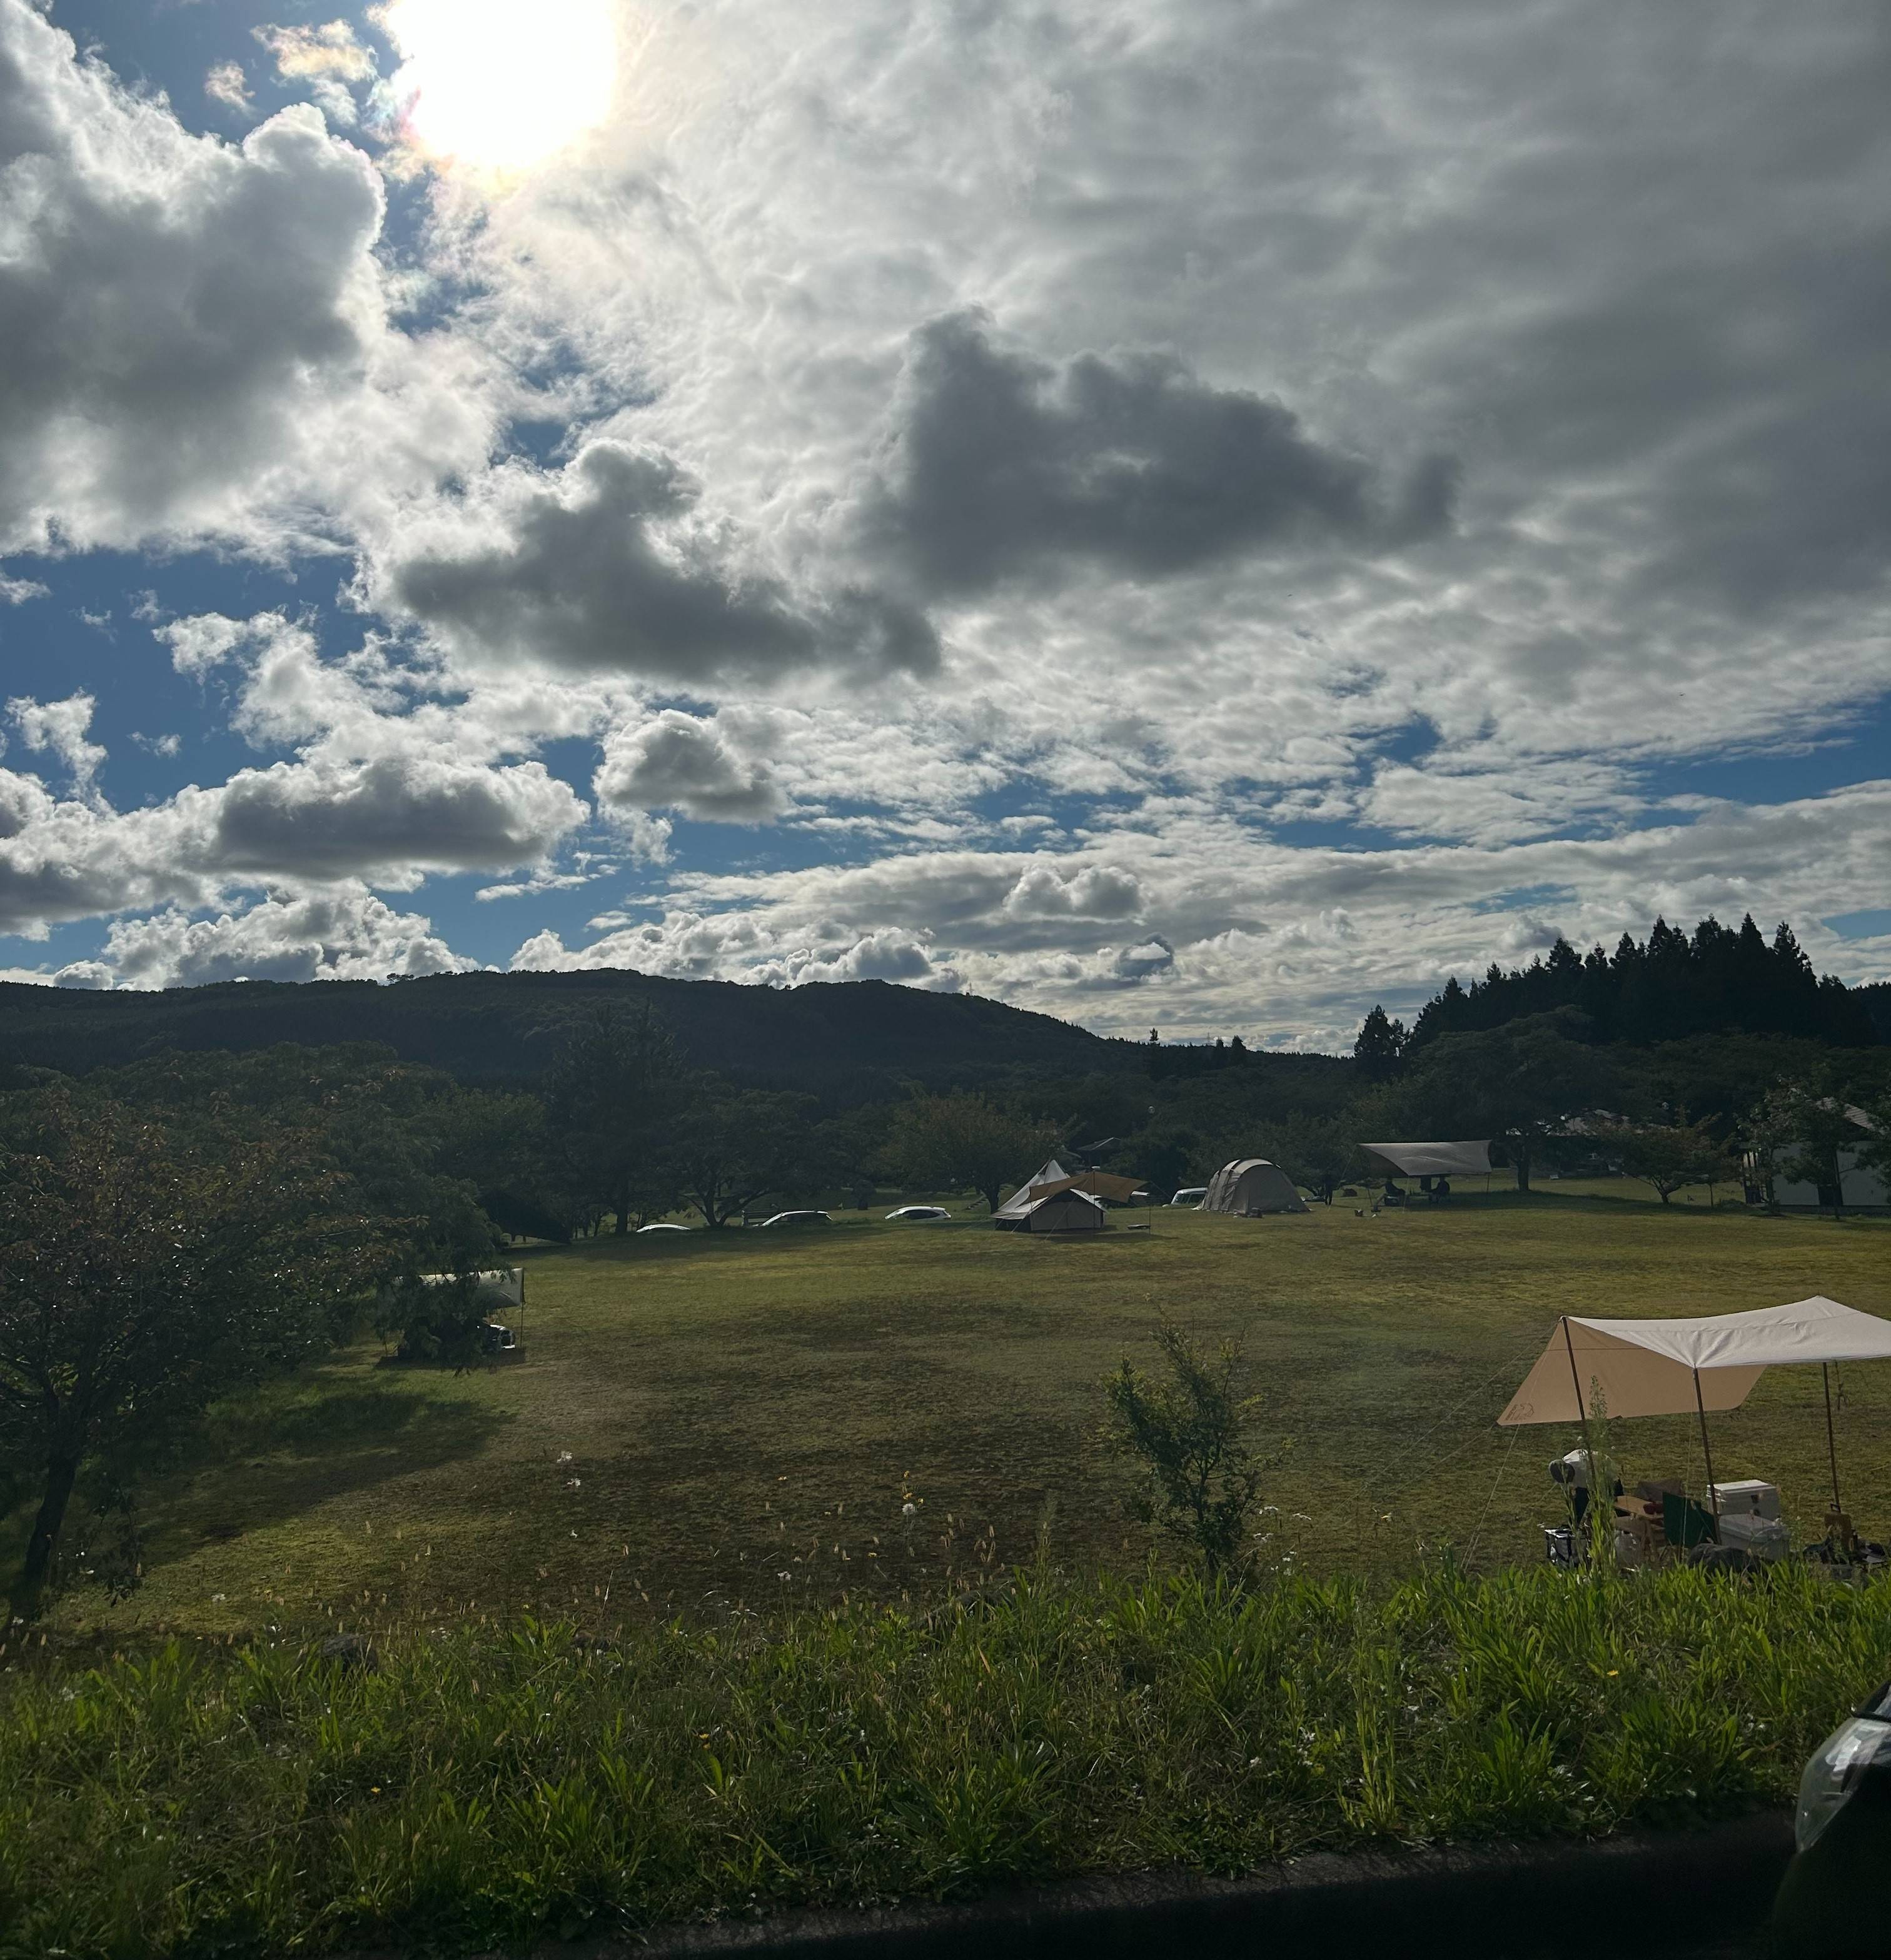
[(1469, 1159), (1670, 1367)]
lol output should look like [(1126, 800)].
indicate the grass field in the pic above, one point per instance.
[(746, 1414)]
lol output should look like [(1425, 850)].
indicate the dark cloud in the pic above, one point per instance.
[(599, 571), (300, 819), (999, 463), (679, 762)]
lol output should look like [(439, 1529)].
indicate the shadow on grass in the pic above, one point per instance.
[(273, 1456)]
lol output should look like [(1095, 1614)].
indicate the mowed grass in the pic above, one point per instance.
[(746, 1414)]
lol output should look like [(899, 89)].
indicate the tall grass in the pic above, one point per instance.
[(485, 1783)]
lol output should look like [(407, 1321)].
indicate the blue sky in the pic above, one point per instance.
[(1158, 513)]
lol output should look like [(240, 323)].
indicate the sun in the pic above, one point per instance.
[(501, 85)]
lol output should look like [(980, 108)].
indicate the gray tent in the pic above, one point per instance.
[(1065, 1211), (1250, 1186), (1471, 1159)]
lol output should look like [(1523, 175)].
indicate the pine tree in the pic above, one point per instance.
[(1379, 1051)]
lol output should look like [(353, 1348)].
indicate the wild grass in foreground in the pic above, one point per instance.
[(486, 1783)]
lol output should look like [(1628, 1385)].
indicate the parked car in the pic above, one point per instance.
[(495, 1339), (920, 1214), (1193, 1195), (1828, 1906), (661, 1225), (795, 1218)]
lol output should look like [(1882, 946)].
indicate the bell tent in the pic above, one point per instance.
[(1055, 1177), (1250, 1186)]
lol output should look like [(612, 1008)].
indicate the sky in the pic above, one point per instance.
[(1178, 513)]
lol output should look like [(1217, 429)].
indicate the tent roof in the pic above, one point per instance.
[(1648, 1367), (1050, 1173), (1467, 1160), (1054, 1177)]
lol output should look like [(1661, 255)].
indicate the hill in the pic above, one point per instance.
[(851, 1041)]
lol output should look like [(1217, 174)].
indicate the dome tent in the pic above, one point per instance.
[(1250, 1186)]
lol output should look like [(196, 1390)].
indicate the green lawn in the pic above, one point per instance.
[(747, 1413)]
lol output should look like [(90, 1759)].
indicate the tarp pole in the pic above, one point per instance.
[(1582, 1411), (1831, 1445), (1713, 1496)]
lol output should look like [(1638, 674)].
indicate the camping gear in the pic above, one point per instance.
[(1761, 1537), (1668, 1367), (1065, 1211), (1054, 1177), (1467, 1160), (1748, 1497), (1251, 1187), (503, 1285)]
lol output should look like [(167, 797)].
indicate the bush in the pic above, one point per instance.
[(482, 1785)]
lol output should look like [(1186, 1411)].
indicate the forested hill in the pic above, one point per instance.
[(849, 1042), (1722, 981)]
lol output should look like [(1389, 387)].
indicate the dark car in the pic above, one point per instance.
[(1829, 1905), (795, 1218)]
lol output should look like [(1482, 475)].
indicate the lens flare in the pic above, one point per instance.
[(500, 85)]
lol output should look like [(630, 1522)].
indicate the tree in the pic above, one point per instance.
[(1669, 1156), (1381, 1047), (1810, 1134), (1319, 1152), (966, 1142), (731, 1149), (612, 1092), (140, 1278), (1199, 1477), (1519, 1082)]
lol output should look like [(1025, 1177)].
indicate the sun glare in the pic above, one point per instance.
[(501, 85)]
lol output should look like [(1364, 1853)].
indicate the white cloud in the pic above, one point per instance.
[(197, 335), (328, 59), (347, 934), (17, 591), (226, 82), (60, 727)]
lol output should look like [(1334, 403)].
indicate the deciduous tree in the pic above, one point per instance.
[(140, 1277)]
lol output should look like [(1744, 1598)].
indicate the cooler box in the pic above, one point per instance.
[(1764, 1538), (1748, 1498)]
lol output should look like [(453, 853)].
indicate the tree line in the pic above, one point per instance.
[(1671, 986)]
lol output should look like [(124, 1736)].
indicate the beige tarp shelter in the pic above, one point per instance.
[(1251, 1185), (1054, 1177), (1679, 1367), (1471, 1159), (1065, 1211)]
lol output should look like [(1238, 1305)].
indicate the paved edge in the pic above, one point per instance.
[(1635, 1893), (1630, 1894)]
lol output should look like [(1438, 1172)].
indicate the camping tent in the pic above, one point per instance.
[(1471, 1159), (1054, 1177), (1065, 1211), (1251, 1185), (1672, 1367)]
